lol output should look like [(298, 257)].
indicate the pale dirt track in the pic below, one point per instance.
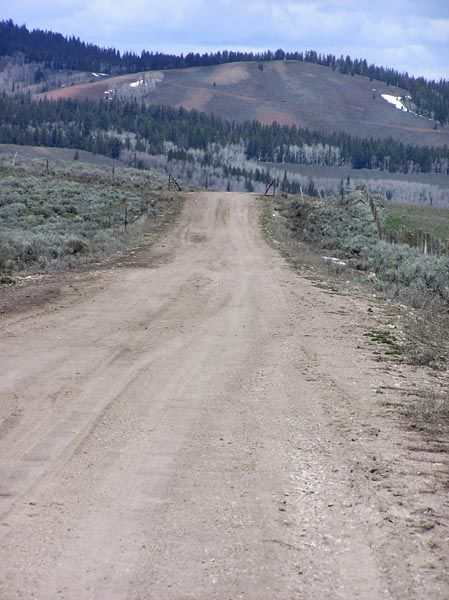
[(204, 425)]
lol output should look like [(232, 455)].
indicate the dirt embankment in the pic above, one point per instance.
[(203, 422)]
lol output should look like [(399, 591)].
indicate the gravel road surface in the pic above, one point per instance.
[(202, 422)]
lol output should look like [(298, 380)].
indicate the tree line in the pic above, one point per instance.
[(108, 126), (56, 51)]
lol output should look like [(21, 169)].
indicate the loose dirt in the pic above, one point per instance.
[(203, 423)]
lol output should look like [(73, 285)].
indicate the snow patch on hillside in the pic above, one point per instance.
[(396, 101), (145, 82)]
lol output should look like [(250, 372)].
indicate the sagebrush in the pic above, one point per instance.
[(71, 213)]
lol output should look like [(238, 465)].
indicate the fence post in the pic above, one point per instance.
[(172, 179), (270, 185)]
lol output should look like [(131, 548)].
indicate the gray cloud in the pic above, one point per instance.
[(405, 34)]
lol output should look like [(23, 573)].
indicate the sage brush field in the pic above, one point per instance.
[(345, 227), (65, 214)]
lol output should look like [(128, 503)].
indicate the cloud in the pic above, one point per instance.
[(304, 20), (171, 14)]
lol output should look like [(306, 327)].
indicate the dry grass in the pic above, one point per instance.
[(228, 74), (427, 335), (412, 217), (431, 408)]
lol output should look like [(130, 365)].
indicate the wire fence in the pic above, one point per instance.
[(417, 238)]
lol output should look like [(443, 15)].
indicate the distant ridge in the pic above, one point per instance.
[(431, 98)]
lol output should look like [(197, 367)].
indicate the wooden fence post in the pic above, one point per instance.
[(172, 179)]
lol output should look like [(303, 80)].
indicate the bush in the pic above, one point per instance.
[(347, 228), (407, 268)]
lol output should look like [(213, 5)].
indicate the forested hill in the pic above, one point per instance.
[(88, 125), (59, 52)]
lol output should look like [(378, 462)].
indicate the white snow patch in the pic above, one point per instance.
[(396, 101), (335, 261), (95, 74), (146, 82)]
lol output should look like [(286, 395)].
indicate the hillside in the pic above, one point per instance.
[(289, 92), (50, 50)]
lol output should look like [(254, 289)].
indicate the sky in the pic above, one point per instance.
[(408, 35)]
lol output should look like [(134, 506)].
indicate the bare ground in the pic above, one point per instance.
[(202, 422)]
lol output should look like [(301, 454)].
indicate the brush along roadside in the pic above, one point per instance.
[(335, 241)]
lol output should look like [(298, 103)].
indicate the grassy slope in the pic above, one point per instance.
[(411, 217), (291, 92), (24, 153)]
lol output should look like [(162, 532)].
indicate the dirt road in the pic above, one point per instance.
[(203, 423)]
